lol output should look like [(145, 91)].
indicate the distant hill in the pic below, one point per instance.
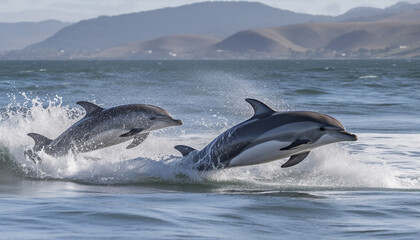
[(174, 46), (413, 16), (324, 40), (308, 40), (23, 34), (260, 40), (361, 14), (368, 14), (213, 19)]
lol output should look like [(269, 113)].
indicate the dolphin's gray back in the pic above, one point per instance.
[(135, 108)]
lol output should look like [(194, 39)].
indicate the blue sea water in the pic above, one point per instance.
[(369, 189)]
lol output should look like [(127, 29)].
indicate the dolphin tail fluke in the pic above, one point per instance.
[(295, 159), (31, 155), (40, 141), (184, 150)]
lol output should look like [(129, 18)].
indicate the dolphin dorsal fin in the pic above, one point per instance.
[(40, 141), (184, 150), (90, 108), (260, 109)]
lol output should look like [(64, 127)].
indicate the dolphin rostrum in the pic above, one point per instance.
[(101, 128), (268, 136)]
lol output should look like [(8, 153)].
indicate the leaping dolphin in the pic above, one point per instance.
[(268, 136), (101, 128)]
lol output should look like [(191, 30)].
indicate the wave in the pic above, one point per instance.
[(320, 69), (368, 76), (306, 91), (372, 162)]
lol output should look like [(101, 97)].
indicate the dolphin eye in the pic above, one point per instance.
[(152, 118), (322, 129)]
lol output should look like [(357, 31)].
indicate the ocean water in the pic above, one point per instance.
[(369, 189)]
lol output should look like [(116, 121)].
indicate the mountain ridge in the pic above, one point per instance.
[(305, 40), (207, 18), (134, 37)]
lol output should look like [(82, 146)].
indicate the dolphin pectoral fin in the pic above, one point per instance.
[(295, 159), (132, 132), (296, 144), (137, 140), (40, 141), (260, 109), (184, 150), (90, 108)]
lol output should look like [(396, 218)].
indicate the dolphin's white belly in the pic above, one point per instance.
[(261, 153)]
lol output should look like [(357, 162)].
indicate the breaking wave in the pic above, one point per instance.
[(375, 161)]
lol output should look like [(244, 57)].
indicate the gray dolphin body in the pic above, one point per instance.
[(101, 128), (268, 136)]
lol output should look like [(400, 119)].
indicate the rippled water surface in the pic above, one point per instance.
[(369, 189)]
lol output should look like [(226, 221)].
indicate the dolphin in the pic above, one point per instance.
[(267, 136), (101, 128)]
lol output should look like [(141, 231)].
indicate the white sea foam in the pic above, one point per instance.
[(368, 76), (375, 161), (332, 166)]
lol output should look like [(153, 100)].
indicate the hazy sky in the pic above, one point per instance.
[(75, 10)]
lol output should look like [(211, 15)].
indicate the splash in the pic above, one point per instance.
[(369, 163), (328, 167)]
